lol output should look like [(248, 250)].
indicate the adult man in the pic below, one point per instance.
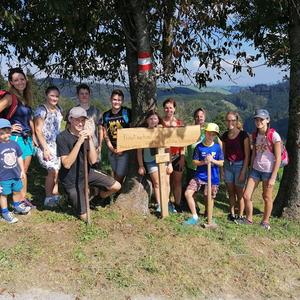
[(117, 117), (70, 149)]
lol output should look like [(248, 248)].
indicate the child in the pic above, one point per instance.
[(146, 160), (265, 164), (11, 172), (206, 151)]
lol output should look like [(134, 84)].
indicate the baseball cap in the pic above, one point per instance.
[(261, 113), (4, 123), (77, 112), (212, 127)]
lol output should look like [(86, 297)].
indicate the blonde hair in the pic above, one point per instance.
[(27, 94), (239, 124)]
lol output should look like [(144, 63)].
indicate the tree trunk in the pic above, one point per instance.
[(287, 202), (135, 190)]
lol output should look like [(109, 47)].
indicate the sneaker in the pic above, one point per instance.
[(244, 221), (265, 225), (171, 207), (239, 220), (28, 203), (191, 221), (51, 201), (231, 217), (22, 209), (9, 218)]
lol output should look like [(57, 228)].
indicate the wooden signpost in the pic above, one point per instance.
[(161, 138)]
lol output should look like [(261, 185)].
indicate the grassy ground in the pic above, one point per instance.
[(127, 257)]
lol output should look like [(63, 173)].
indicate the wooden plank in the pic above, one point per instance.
[(164, 197), (162, 158), (138, 138), (209, 198)]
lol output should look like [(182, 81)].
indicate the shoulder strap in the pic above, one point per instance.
[(9, 111), (270, 139)]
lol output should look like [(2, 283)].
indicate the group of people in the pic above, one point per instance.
[(26, 131)]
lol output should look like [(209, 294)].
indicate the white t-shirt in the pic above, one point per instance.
[(264, 159)]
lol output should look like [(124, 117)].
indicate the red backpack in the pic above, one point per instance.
[(284, 154), (8, 112)]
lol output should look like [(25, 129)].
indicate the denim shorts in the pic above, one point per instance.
[(151, 167), (25, 145), (10, 186), (232, 172), (261, 176), (119, 163)]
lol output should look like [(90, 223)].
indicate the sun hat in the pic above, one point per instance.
[(77, 112), (4, 123), (261, 113), (212, 127)]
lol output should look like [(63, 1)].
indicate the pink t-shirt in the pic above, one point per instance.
[(264, 159)]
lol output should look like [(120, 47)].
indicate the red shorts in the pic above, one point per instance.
[(196, 184)]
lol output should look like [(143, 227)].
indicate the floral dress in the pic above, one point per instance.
[(51, 129)]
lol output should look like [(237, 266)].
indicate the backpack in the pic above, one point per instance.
[(8, 112), (284, 154)]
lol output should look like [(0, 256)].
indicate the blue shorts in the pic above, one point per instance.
[(119, 163), (10, 186), (232, 172), (25, 145), (151, 167), (261, 176)]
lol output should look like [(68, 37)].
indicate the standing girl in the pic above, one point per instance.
[(236, 148), (22, 124), (146, 159), (266, 160), (177, 153), (47, 120)]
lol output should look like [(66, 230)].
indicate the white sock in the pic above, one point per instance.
[(195, 217)]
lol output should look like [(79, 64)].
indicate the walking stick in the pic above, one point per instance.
[(209, 224), (86, 182)]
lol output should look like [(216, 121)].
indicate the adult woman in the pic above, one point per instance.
[(47, 120), (22, 123), (177, 153), (236, 148)]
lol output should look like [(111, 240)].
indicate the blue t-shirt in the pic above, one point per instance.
[(200, 153), (9, 167), (22, 116)]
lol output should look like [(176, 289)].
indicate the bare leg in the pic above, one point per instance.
[(190, 200), (27, 162), (176, 183), (268, 201), (113, 189), (239, 192), (51, 185), (155, 182), (251, 186), (232, 197)]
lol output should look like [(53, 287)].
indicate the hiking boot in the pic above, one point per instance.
[(52, 201), (265, 225), (9, 218), (22, 209), (231, 217), (191, 221)]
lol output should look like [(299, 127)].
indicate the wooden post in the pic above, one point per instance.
[(86, 183), (161, 158), (209, 200)]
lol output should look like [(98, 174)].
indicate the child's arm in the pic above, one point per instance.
[(141, 169), (21, 165), (199, 163), (277, 153)]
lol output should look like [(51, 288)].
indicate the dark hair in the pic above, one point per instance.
[(51, 88), (197, 110), (82, 86), (149, 114), (169, 100), (27, 95), (117, 92)]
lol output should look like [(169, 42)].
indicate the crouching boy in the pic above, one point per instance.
[(206, 151), (11, 172)]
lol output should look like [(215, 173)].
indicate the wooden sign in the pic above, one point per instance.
[(160, 137)]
